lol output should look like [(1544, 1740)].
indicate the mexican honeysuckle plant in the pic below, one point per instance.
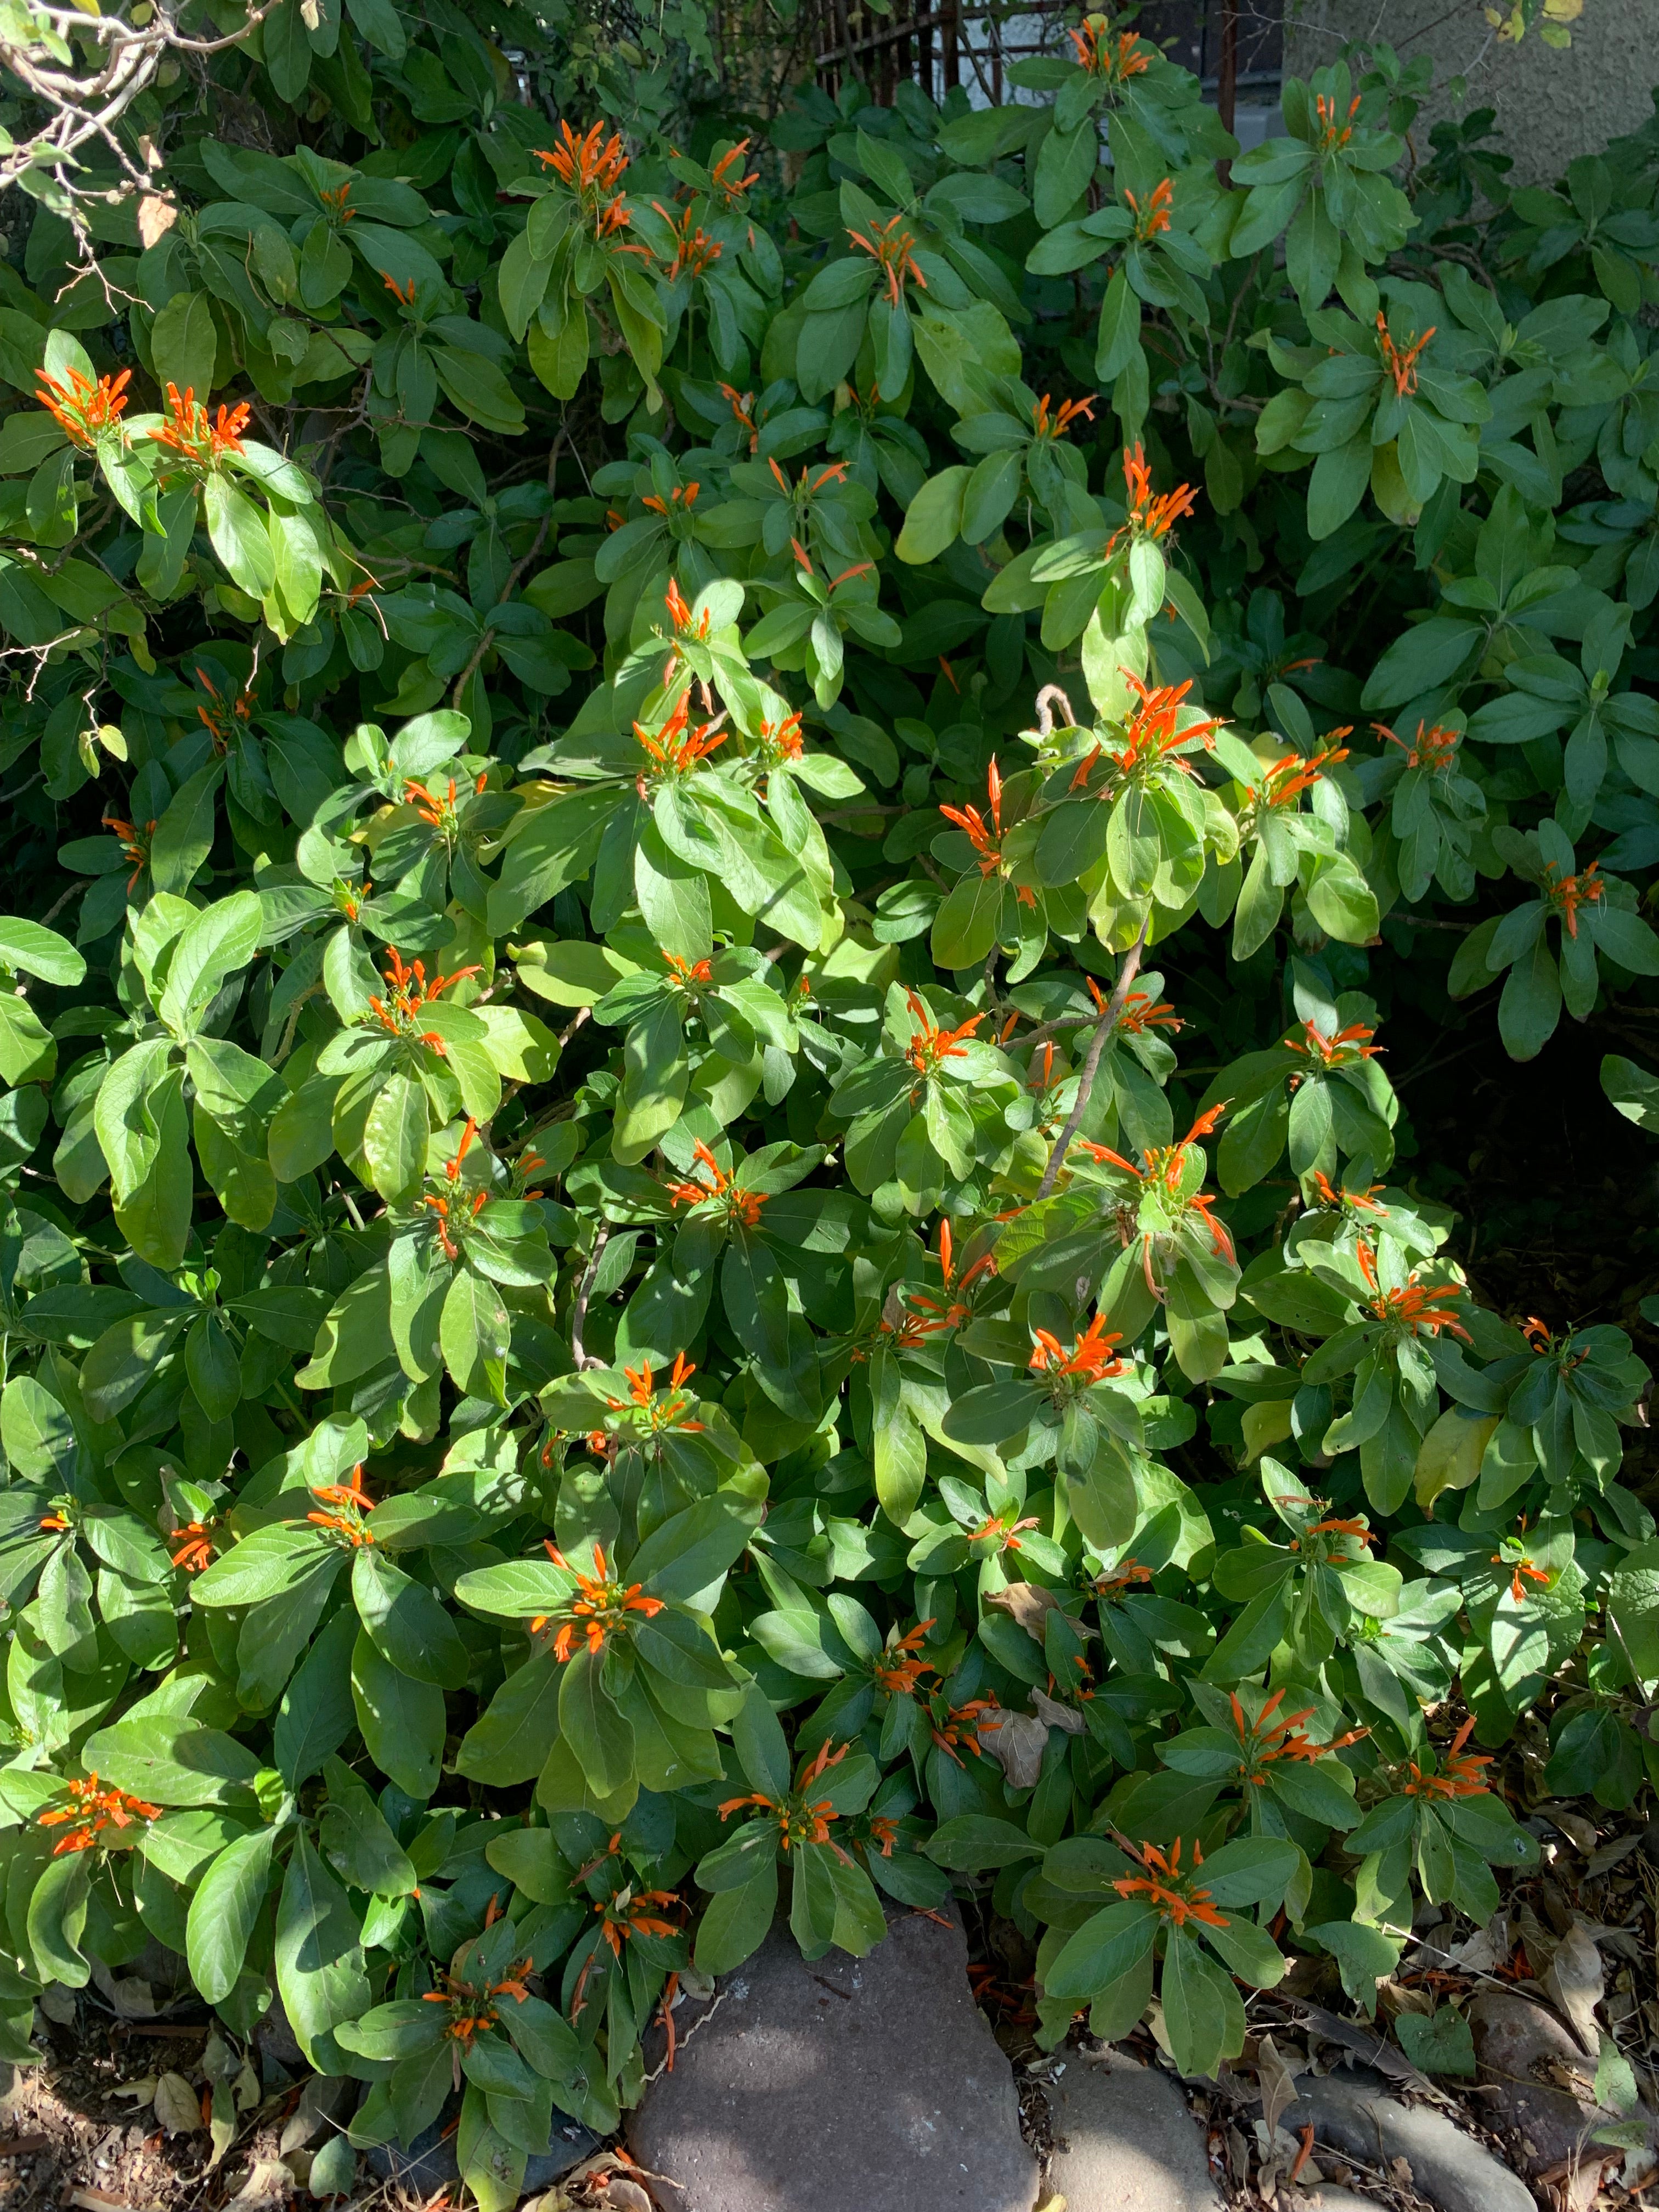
[(717, 834)]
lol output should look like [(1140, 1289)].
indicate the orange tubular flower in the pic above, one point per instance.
[(1525, 1572), (669, 1414), (590, 169), (743, 1207), (1460, 1774), (404, 299), (1006, 1535), (411, 992), (93, 1810), (1363, 1201), (1138, 1014), (678, 613), (729, 188), (883, 1832), (891, 249), (1565, 895), (958, 1310), (1432, 749), (190, 431), (1286, 781), (930, 1047), (1068, 412), (986, 843), (1342, 1050), (1412, 1308), (1165, 1888), (1151, 514), (1150, 737), (897, 1671), (781, 741), (675, 751), (1117, 59), (80, 409), (633, 1912), (1330, 137), (1265, 1739), (1091, 1357), (135, 845), (195, 1544), (473, 2012), (800, 1819), (1335, 1528), (1155, 215), (1118, 1581), (741, 403), (695, 251), (688, 974), (1401, 364), (601, 1607), (352, 1502), (680, 501)]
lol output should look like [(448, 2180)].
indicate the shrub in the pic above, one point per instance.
[(609, 1329)]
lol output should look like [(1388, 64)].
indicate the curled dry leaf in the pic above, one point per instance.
[(1053, 1714), (1027, 1603), (627, 2195), (1276, 2072)]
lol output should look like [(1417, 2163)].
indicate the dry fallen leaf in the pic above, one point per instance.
[(1277, 2076), (1573, 1979), (1053, 1715), (1025, 1603), (627, 2195), (269, 2183), (177, 2106), (156, 216), (1016, 1743)]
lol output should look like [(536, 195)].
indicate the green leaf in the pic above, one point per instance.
[(223, 1912), (933, 518), (407, 1622), (319, 1959), (402, 1720), (1438, 2042)]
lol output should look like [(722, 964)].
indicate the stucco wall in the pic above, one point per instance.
[(1551, 106)]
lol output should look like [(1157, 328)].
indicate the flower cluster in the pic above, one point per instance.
[(891, 248), (1175, 1895), (742, 1208), (191, 431), (82, 410), (600, 1607), (93, 1810), (410, 992)]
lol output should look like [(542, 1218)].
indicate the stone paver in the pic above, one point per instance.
[(1516, 2043), (1352, 2112), (841, 2085), (1131, 2145)]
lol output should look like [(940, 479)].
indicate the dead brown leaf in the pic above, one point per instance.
[(1574, 1980), (177, 2106), (156, 216), (1018, 1743), (1277, 2076), (1055, 1715), (1028, 1604)]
